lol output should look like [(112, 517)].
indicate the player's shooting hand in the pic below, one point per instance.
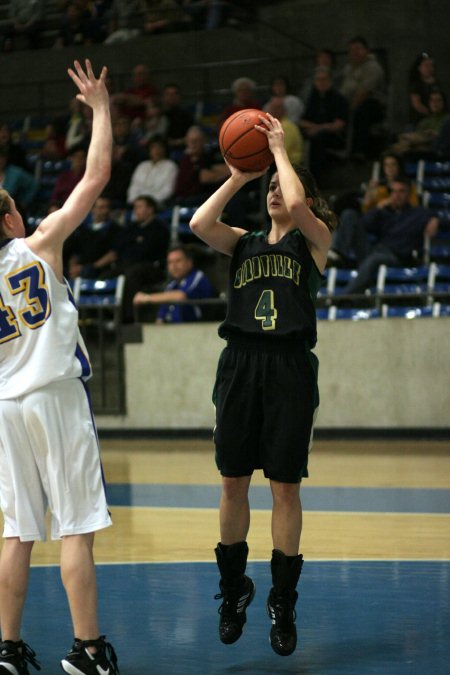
[(93, 92), (271, 127), (244, 176)]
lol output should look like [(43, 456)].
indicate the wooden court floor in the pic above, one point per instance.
[(374, 591)]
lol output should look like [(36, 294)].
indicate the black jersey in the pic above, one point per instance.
[(272, 289)]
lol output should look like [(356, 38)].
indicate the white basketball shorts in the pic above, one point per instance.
[(49, 458)]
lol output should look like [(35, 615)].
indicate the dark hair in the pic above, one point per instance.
[(319, 207), (187, 252), (404, 180), (359, 39), (148, 200), (159, 140), (284, 79), (414, 70), (327, 51)]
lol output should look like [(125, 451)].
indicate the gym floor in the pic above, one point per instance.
[(373, 596)]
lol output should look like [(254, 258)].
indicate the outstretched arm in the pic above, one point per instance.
[(49, 237)]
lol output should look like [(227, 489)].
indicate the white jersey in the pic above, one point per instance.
[(40, 341)]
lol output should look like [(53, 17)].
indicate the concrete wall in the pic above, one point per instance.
[(389, 374)]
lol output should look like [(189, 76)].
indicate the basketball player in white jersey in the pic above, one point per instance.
[(49, 456)]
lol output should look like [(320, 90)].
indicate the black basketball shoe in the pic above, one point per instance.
[(236, 599), (283, 634), (14, 657), (80, 661)]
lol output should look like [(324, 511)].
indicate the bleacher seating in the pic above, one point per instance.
[(400, 285)]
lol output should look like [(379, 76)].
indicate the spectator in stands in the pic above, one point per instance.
[(441, 145), (206, 14), (155, 123), (122, 168), (422, 81), (131, 102), (20, 184), (87, 251), (421, 141), (165, 16), (363, 85), (399, 230), (323, 58), (178, 117), (293, 141), (187, 283), (15, 151), (199, 172), (75, 28), (377, 192), (67, 180), (324, 121), (293, 104), (156, 176), (127, 20), (26, 21), (244, 96), (140, 251), (79, 125)]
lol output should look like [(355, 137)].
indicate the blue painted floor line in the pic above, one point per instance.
[(354, 618), (376, 500)]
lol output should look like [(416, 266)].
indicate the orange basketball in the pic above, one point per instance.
[(243, 146)]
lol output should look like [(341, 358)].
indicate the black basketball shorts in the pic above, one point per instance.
[(266, 400)]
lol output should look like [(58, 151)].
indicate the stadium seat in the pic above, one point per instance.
[(96, 292), (352, 313), (388, 311), (397, 285)]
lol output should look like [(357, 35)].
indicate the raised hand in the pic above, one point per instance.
[(93, 92)]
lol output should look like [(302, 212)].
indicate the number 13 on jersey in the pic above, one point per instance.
[(265, 310)]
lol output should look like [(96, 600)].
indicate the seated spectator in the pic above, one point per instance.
[(187, 283), (131, 102), (127, 19), (421, 141), (156, 176), (398, 229), (363, 85), (324, 121), (67, 180), (79, 125), (140, 251), (20, 184), (293, 141), (15, 151), (441, 145), (165, 16), (293, 104), (155, 123), (422, 81), (199, 171), (122, 167), (179, 119), (244, 96), (25, 21), (377, 192), (87, 250), (323, 58), (75, 28), (206, 14)]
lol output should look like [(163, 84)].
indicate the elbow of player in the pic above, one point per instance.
[(194, 224)]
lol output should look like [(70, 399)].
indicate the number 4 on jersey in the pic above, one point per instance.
[(265, 310)]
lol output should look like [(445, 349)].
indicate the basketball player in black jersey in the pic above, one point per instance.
[(266, 387)]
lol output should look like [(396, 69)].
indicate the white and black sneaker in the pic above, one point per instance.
[(81, 661), (14, 657)]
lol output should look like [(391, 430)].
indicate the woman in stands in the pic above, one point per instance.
[(266, 389)]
